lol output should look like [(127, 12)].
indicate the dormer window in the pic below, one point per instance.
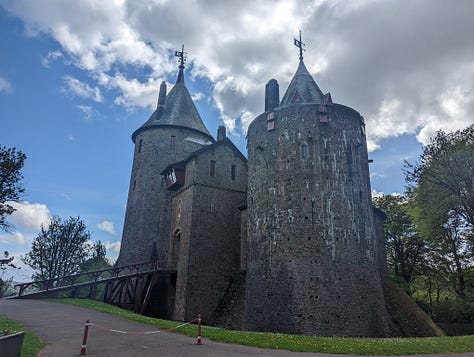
[(174, 176), (171, 177)]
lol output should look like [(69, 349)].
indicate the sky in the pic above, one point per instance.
[(77, 78)]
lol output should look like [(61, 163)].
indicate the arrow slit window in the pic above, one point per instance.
[(304, 151), (212, 169), (172, 142)]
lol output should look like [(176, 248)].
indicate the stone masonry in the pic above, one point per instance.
[(288, 242), (165, 138)]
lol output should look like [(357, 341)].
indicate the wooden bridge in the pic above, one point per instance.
[(127, 286)]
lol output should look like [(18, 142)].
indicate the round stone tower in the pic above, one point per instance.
[(171, 134), (311, 238)]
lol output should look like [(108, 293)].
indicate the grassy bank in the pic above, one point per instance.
[(366, 346), (31, 343)]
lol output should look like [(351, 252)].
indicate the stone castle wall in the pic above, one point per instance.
[(148, 214), (286, 243), (208, 221), (311, 239)]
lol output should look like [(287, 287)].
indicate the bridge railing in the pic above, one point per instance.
[(91, 276)]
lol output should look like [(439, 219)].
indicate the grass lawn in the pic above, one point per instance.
[(31, 343), (355, 346)]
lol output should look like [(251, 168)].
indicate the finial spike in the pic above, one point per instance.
[(182, 57), (299, 44)]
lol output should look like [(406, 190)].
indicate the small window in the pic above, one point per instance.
[(134, 184), (232, 172), (140, 146), (212, 171), (304, 151), (172, 142)]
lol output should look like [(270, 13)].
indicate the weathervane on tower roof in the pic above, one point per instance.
[(182, 57), (300, 45)]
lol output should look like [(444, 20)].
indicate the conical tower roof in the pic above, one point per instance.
[(178, 110), (302, 89)]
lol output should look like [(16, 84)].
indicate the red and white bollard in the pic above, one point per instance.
[(84, 338), (198, 341)]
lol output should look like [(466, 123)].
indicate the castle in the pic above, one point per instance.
[(286, 241)]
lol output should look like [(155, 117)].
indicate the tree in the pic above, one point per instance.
[(443, 179), (60, 249), (405, 249), (453, 253), (6, 262), (442, 192), (11, 162), (98, 260)]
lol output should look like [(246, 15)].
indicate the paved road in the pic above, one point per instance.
[(61, 326)]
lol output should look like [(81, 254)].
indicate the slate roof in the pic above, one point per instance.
[(302, 89), (179, 110)]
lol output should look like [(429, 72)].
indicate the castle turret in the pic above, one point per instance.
[(311, 265), (171, 134)]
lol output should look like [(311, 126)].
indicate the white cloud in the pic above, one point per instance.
[(12, 238), (246, 118), (19, 275), (52, 56), (376, 193), (29, 215), (372, 145), (5, 86), (414, 77), (89, 112), (229, 123), (390, 120), (113, 247), (198, 96), (81, 89), (71, 137), (107, 226), (86, 110), (113, 250), (134, 92), (455, 110)]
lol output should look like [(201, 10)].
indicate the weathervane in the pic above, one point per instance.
[(182, 57), (300, 45)]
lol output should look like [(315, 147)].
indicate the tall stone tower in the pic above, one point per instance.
[(171, 134), (311, 238)]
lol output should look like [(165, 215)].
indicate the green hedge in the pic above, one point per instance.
[(455, 310)]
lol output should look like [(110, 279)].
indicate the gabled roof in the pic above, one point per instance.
[(302, 89), (179, 110), (225, 141)]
